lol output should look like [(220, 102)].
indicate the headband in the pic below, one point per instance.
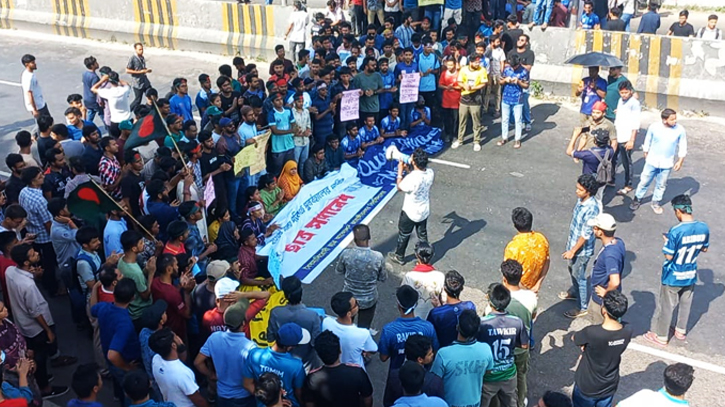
[(684, 208), (256, 207), (407, 310)]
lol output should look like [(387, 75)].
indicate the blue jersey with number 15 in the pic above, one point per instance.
[(684, 243)]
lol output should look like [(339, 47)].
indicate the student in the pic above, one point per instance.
[(334, 155), (589, 20), (650, 21), (352, 145), (174, 378), (390, 125), (425, 279), (444, 317), (86, 384), (678, 378), (356, 342), (418, 351), (412, 379), (136, 386), (682, 28)]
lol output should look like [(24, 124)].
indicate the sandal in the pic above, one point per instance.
[(652, 337), (679, 335), (625, 191), (517, 145), (500, 143)]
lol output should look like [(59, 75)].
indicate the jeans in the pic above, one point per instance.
[(580, 400), (138, 95), (543, 7), (493, 91), (527, 109), (625, 156), (450, 123), (233, 186), (471, 22), (253, 180), (302, 153), (475, 112), (626, 18), (294, 48), (434, 13), (91, 115), (498, 9), (579, 286), (671, 297), (405, 229), (245, 402), (649, 173), (506, 110), (405, 110)]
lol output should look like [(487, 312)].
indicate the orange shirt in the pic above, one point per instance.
[(532, 251)]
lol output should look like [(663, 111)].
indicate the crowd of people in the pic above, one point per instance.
[(184, 312)]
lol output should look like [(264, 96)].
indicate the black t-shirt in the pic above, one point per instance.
[(131, 187), (91, 158), (510, 37), (342, 385), (227, 103), (210, 162), (12, 189), (527, 57), (598, 373), (616, 25), (44, 144), (681, 30), (55, 182)]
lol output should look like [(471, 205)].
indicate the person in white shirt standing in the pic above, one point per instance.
[(117, 97), (626, 124), (356, 343), (32, 93), (176, 381), (416, 205), (425, 279), (710, 32), (663, 140), (297, 29)]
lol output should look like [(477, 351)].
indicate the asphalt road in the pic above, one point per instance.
[(470, 221)]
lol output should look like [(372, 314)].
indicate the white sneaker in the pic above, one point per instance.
[(455, 144), (476, 147)]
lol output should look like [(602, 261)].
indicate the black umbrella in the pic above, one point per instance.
[(595, 59)]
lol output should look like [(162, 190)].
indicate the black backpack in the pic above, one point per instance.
[(604, 169)]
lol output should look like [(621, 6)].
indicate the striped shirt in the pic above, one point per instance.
[(583, 211), (33, 201)]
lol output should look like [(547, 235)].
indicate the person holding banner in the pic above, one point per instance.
[(416, 205), (472, 79), (370, 82)]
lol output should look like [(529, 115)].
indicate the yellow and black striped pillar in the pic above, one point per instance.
[(6, 14), (247, 26), (71, 18), (156, 22)]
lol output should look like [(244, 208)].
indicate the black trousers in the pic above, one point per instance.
[(138, 95), (50, 264), (405, 229), (450, 124), (365, 317), (625, 157), (43, 351)]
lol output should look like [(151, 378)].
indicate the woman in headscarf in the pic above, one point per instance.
[(290, 180), (227, 242)]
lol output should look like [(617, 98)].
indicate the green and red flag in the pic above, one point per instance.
[(88, 201), (149, 128)]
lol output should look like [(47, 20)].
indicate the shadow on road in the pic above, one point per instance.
[(640, 312), (459, 229), (705, 293)]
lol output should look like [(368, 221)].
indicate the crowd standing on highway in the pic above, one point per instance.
[(182, 310)]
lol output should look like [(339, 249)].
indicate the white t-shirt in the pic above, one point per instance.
[(627, 118), (707, 34), (175, 380), (117, 97), (416, 186), (651, 398), (353, 341), (299, 20), (427, 283), (527, 298), (30, 84)]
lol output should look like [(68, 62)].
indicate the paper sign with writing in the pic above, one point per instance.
[(350, 105), (209, 192), (409, 87), (252, 156)]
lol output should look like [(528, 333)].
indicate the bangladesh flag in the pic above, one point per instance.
[(87, 202), (149, 128)]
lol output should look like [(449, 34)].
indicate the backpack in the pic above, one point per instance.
[(604, 169), (69, 272), (718, 33)]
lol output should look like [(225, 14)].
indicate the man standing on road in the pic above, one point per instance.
[(650, 21), (137, 69), (530, 249), (296, 32), (580, 244), (682, 28), (363, 268), (591, 89), (597, 377), (90, 78), (626, 125), (472, 79), (32, 93), (356, 343), (710, 32), (527, 58), (444, 317), (659, 152), (683, 243), (416, 205), (609, 264)]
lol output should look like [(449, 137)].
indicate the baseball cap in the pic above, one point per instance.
[(151, 316), (600, 106), (224, 286), (235, 315), (188, 208), (603, 221), (216, 269), (291, 334), (407, 298), (225, 121)]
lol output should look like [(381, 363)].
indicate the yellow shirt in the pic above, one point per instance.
[(214, 230), (532, 251), (473, 78)]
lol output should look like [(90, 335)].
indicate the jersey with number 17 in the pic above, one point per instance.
[(684, 243)]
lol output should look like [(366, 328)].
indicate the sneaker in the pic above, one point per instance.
[(455, 144), (476, 147), (55, 391), (657, 209), (576, 313), (564, 295), (528, 127), (635, 204), (396, 259)]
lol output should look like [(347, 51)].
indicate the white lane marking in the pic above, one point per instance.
[(452, 164), (10, 83), (676, 358), (5, 174)]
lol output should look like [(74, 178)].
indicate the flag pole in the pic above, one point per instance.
[(168, 132), (122, 208)]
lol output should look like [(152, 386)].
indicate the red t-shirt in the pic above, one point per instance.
[(19, 402), (213, 320), (451, 98), (104, 296), (174, 249), (175, 305)]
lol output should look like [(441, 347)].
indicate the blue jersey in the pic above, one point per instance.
[(394, 335), (367, 135), (350, 146), (389, 125), (386, 99), (684, 243), (416, 115)]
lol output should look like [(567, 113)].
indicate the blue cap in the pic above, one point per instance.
[(291, 334)]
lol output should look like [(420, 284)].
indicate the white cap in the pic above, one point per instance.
[(224, 286), (603, 221)]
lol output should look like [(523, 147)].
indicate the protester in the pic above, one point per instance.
[(356, 342), (419, 351), (678, 378), (174, 378)]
